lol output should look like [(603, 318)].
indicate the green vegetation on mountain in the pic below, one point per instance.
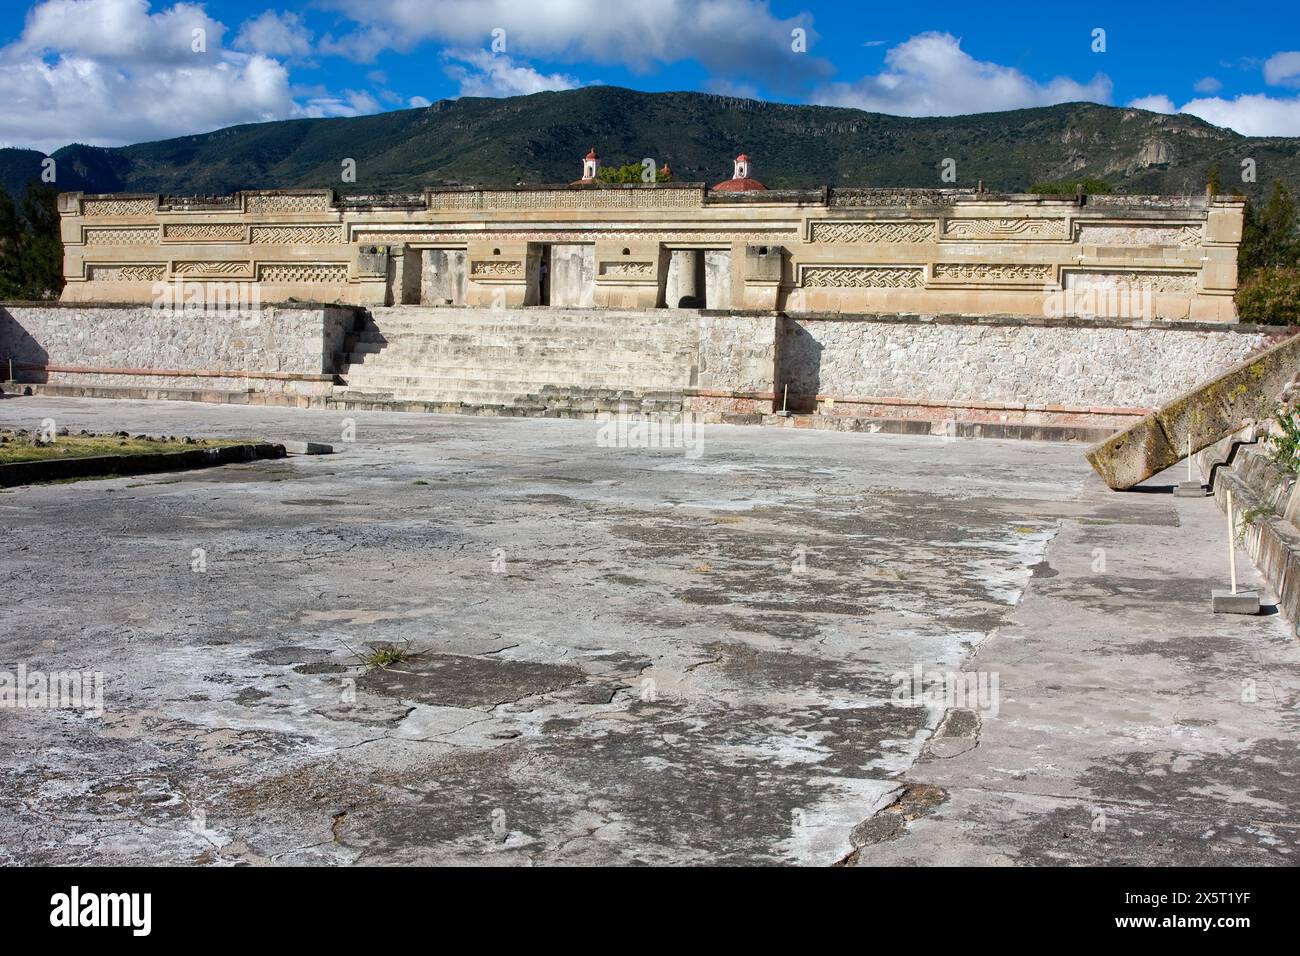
[(542, 138)]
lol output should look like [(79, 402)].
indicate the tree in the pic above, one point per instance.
[(1069, 187), (1268, 261), (13, 282), (1269, 237), (631, 173), (42, 255), (31, 250), (1213, 184)]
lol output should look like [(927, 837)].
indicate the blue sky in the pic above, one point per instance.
[(110, 72)]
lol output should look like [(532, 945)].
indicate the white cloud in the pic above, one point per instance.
[(317, 101), (1207, 84), (117, 31), (931, 75), (480, 73), (1283, 69), (730, 38), (275, 34), (1252, 114), (1156, 103), (111, 72), (418, 102)]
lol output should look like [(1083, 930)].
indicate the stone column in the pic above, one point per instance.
[(687, 268)]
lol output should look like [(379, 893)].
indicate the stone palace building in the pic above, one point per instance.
[(951, 311), (735, 246)]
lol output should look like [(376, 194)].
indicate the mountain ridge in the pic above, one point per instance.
[(541, 137)]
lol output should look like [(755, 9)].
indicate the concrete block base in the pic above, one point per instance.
[(307, 448), (1190, 489), (1243, 602)]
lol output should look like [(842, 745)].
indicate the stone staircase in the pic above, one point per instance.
[(536, 361), (1247, 392)]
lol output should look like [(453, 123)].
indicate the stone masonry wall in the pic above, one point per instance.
[(737, 353), (846, 251), (1043, 362), (140, 345), (1036, 371)]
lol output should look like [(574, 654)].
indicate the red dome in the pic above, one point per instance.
[(738, 186), (592, 154)]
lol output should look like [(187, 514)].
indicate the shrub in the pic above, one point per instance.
[(631, 173), (1270, 235), (1284, 449), (1270, 296), (1068, 187)]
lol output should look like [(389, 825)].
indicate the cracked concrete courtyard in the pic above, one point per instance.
[(626, 655)]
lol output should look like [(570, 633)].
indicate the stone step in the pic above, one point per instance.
[(530, 384), (508, 333), (481, 357), (483, 396), (445, 319), (520, 372), (642, 337), (489, 364), (443, 315), (550, 352), (449, 317)]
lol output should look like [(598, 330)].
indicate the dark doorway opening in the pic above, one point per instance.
[(544, 276)]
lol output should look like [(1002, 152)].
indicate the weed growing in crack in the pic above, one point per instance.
[(384, 656)]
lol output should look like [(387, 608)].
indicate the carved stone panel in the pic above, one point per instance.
[(134, 236), (1138, 235), (453, 236), (627, 270), (127, 273), (496, 269), (594, 198), (205, 232), (296, 235), (305, 272), (273, 203), (1006, 230), (215, 269), (1177, 282), (99, 208), (834, 231), (992, 272), (863, 277)]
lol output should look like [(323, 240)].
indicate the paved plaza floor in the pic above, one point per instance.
[(772, 646)]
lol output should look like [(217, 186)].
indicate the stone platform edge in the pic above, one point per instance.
[(101, 466)]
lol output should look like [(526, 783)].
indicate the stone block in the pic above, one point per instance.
[(372, 261), (1133, 455), (307, 448), (1243, 602), (1189, 489), (763, 263)]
